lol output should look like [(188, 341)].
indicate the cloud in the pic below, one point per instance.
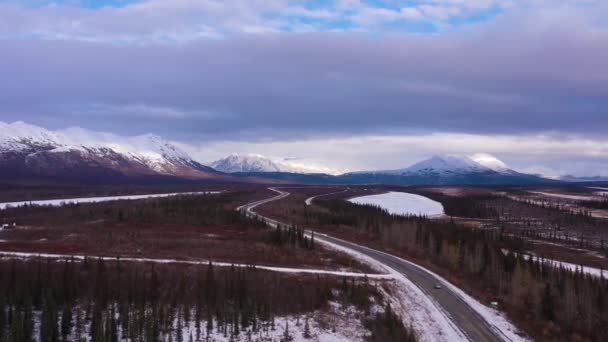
[(546, 154), (182, 21), (136, 111), (495, 80), (265, 74)]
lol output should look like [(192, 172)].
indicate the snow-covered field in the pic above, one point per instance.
[(402, 203), (60, 202)]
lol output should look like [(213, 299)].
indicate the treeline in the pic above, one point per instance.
[(291, 236), (568, 304), (98, 300), (594, 204), (561, 214), (199, 210), (473, 206)]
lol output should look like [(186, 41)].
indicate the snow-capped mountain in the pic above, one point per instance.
[(255, 163), (446, 165), (31, 151), (245, 163), (449, 169)]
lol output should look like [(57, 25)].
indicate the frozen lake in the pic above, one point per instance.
[(402, 203), (59, 202)]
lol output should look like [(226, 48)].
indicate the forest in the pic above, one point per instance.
[(97, 300), (201, 210), (551, 303), (594, 204)]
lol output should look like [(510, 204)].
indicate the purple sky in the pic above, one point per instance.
[(398, 80)]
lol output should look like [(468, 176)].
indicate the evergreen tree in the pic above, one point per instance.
[(547, 304), (66, 322)]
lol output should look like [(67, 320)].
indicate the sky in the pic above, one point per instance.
[(350, 84)]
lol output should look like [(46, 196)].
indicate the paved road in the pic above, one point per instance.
[(473, 325)]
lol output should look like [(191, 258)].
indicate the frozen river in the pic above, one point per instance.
[(59, 202), (402, 203)]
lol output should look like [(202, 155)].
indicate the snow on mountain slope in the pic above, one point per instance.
[(245, 163), (149, 154), (447, 163), (258, 163), (490, 161), (439, 165), (19, 136)]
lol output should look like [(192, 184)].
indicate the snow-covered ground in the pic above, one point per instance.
[(566, 196), (60, 202), (27, 255), (337, 324), (402, 203), (596, 272)]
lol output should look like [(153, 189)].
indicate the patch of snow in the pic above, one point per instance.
[(27, 255), (61, 202), (337, 324), (565, 196), (595, 272), (402, 203), (490, 161)]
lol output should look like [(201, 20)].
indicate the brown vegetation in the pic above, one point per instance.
[(198, 227)]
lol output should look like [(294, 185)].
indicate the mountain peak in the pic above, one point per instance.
[(148, 153), (259, 163), (245, 163), (446, 163)]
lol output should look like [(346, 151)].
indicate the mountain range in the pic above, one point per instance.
[(29, 152), (440, 170), (32, 152), (236, 163)]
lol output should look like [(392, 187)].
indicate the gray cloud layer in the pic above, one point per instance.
[(526, 73), (493, 80)]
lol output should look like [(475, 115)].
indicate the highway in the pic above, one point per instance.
[(470, 322)]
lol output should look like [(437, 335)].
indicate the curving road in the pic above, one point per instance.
[(469, 321)]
